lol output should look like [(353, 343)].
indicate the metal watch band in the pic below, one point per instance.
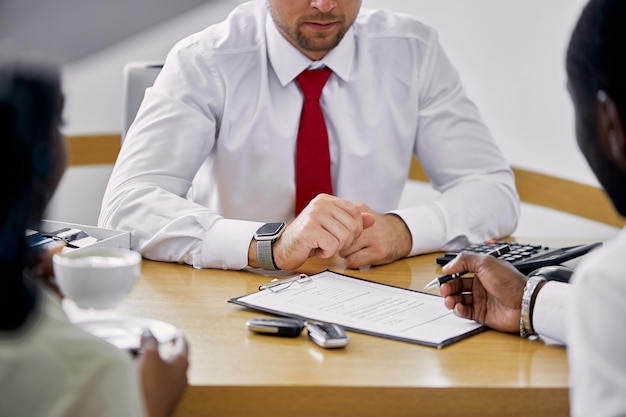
[(525, 322), (265, 255)]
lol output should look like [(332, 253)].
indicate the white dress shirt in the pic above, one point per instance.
[(588, 316), (210, 156), (53, 368), (597, 333), (550, 311)]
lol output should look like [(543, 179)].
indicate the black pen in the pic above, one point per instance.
[(445, 278)]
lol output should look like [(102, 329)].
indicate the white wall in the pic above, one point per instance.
[(510, 54)]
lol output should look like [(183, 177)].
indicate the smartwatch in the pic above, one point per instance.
[(265, 236)]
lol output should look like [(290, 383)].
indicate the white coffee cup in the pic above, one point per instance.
[(98, 278)]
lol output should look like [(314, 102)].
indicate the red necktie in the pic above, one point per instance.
[(312, 152)]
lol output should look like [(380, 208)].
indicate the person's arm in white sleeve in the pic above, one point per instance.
[(596, 336), (550, 311), (478, 198), (172, 135)]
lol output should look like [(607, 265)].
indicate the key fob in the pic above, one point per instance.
[(277, 326), (327, 335)]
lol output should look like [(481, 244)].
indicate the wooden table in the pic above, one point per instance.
[(237, 373)]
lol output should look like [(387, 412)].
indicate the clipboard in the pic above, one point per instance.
[(363, 306)]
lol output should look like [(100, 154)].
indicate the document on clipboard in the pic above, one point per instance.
[(363, 306)]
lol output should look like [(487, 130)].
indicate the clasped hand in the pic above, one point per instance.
[(330, 225)]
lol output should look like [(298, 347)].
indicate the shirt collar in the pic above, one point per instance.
[(288, 62)]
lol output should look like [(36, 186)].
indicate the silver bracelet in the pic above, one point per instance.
[(525, 321)]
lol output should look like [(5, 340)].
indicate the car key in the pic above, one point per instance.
[(326, 335), (277, 326)]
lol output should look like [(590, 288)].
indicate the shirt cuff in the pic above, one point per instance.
[(426, 226), (550, 311), (226, 244)]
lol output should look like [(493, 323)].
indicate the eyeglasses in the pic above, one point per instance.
[(283, 284)]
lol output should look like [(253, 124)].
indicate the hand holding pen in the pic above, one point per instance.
[(491, 297), (448, 277)]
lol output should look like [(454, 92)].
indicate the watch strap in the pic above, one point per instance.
[(526, 328), (265, 255)]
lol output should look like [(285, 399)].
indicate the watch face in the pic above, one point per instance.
[(269, 229)]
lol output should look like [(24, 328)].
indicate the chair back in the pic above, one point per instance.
[(138, 76)]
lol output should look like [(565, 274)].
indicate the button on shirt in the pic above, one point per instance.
[(210, 156)]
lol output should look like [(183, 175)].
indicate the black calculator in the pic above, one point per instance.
[(525, 257)]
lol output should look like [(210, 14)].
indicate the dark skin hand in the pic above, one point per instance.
[(492, 297)]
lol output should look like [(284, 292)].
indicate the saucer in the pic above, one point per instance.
[(125, 332)]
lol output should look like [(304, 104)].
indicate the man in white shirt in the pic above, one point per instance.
[(587, 315), (210, 156)]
